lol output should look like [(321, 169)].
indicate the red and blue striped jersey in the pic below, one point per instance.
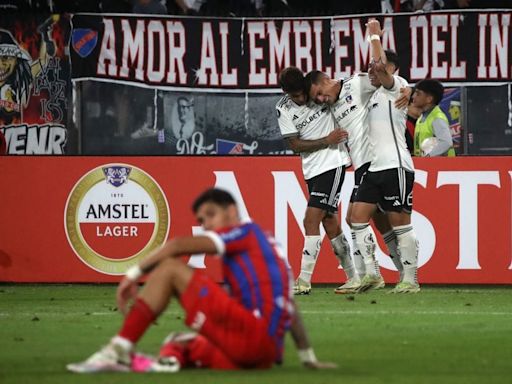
[(257, 275)]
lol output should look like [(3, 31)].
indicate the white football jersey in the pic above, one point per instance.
[(387, 129), (311, 122), (351, 114)]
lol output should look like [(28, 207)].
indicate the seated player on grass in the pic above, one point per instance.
[(244, 328)]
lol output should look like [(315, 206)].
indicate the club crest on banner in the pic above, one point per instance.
[(84, 41)]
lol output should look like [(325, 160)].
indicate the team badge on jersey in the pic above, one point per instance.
[(115, 215)]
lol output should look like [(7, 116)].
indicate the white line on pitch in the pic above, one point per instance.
[(305, 312), (352, 312)]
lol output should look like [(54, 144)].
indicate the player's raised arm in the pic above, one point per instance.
[(378, 55)]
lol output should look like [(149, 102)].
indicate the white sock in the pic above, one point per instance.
[(309, 256), (408, 251), (358, 258), (126, 344), (342, 251), (391, 243), (365, 240)]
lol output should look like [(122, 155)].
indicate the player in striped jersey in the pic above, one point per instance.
[(309, 130), (244, 328), (389, 181)]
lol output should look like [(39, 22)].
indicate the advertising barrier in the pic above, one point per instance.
[(87, 219)]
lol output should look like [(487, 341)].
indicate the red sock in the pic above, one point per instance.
[(137, 321)]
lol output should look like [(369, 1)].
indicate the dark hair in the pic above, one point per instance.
[(392, 57), (213, 195), (313, 77), (433, 88), (291, 80)]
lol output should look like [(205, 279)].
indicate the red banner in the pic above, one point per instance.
[(86, 219)]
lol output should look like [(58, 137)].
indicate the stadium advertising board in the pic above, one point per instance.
[(88, 221), (247, 54)]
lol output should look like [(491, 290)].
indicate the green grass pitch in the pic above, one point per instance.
[(441, 335)]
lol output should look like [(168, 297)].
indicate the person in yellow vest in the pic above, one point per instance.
[(432, 135)]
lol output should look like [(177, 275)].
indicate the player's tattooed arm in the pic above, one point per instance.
[(299, 145)]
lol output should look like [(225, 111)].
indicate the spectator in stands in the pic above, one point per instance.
[(432, 135), (190, 7), (13, 6), (390, 6), (75, 6), (154, 7), (454, 4), (337, 7), (116, 6)]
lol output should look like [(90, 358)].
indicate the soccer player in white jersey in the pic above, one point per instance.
[(309, 130), (389, 181), (348, 99)]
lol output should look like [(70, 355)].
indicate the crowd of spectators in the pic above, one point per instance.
[(245, 8)]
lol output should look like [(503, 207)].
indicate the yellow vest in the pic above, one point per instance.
[(424, 130)]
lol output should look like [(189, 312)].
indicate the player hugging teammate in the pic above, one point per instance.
[(370, 109)]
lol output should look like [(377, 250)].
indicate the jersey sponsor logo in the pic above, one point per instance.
[(295, 117), (311, 118), (373, 106), (341, 115), (114, 216), (396, 203), (321, 194), (278, 113)]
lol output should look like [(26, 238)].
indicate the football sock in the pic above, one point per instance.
[(408, 251), (342, 251), (309, 256), (365, 240), (358, 258), (137, 321), (391, 243)]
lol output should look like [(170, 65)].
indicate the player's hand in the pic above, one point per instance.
[(403, 100), (126, 291), (336, 136), (320, 365), (373, 27)]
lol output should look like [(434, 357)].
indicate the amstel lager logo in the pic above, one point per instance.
[(115, 215)]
